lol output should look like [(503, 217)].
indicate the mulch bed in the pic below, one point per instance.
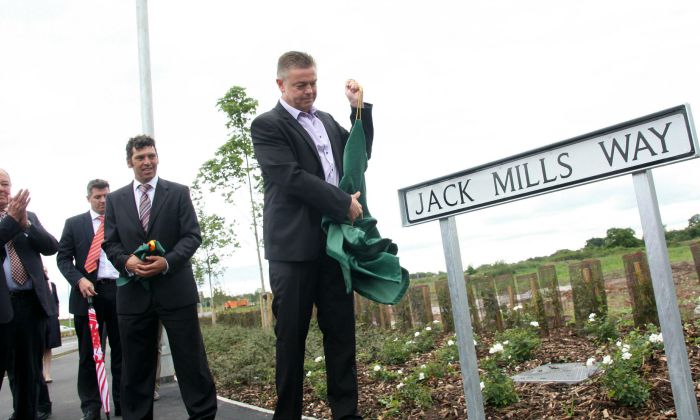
[(537, 401)]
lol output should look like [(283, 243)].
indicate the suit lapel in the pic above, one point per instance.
[(287, 117), (130, 203), (161, 195), (87, 228)]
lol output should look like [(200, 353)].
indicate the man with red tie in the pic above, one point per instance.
[(90, 274)]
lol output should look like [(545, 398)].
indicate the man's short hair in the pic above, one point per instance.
[(293, 59), (138, 143), (97, 184)]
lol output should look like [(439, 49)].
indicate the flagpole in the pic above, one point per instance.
[(167, 368)]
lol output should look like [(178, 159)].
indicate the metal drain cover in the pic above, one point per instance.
[(566, 373)]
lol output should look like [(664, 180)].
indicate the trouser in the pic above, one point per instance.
[(105, 308), (139, 333), (296, 287), (26, 333)]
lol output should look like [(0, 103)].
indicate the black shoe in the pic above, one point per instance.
[(91, 415), (43, 415)]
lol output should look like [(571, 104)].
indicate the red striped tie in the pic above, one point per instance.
[(93, 255)]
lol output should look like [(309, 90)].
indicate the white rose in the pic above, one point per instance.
[(428, 329), (377, 368), (416, 334), (481, 385), (421, 376), (450, 343), (318, 359), (626, 356), (607, 360), (590, 362), (535, 324)]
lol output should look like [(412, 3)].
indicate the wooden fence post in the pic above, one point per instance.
[(588, 288), (473, 307), (421, 309), (402, 314), (493, 320), (695, 250), (442, 291), (640, 289), (552, 299)]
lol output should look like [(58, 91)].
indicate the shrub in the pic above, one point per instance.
[(498, 390), (601, 330), (239, 355), (519, 344), (395, 351)]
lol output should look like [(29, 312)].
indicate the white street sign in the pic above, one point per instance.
[(643, 143)]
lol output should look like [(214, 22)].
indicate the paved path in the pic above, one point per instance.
[(66, 406)]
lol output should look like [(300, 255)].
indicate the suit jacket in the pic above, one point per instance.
[(296, 193), (29, 246), (73, 249), (173, 223)]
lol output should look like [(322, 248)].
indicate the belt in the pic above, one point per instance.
[(105, 281), (21, 294)]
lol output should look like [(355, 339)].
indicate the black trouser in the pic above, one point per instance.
[(296, 287), (24, 337), (139, 334), (105, 308)]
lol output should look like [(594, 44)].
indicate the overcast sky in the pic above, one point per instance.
[(455, 85)]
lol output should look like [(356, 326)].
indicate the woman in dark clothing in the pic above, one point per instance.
[(53, 333)]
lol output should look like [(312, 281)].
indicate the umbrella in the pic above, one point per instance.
[(99, 358)]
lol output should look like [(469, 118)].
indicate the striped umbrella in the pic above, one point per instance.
[(99, 358)]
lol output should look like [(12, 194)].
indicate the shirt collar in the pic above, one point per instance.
[(94, 215), (296, 112), (152, 183)]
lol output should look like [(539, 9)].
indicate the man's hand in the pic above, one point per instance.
[(153, 266), (17, 208), (87, 289), (355, 209), (353, 91)]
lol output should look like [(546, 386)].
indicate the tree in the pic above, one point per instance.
[(218, 241), (621, 237), (234, 165), (595, 243)]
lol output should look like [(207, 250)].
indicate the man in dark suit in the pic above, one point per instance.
[(86, 267), (153, 208), (25, 301), (300, 151)]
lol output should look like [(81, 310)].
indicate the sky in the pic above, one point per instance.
[(454, 85)]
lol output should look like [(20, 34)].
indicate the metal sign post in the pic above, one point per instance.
[(462, 319), (665, 294), (632, 147)]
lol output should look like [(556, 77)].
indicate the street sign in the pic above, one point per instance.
[(646, 142)]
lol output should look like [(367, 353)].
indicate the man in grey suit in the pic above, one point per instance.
[(300, 151), (25, 300), (83, 263), (145, 209)]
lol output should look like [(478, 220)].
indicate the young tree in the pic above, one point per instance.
[(234, 166), (218, 241)]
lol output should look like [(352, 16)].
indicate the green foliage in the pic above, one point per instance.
[(519, 344), (602, 330), (595, 243), (395, 351), (449, 353), (624, 384), (240, 356), (317, 380), (622, 238), (499, 390)]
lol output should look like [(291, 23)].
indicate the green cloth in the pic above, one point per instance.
[(148, 249), (368, 261)]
